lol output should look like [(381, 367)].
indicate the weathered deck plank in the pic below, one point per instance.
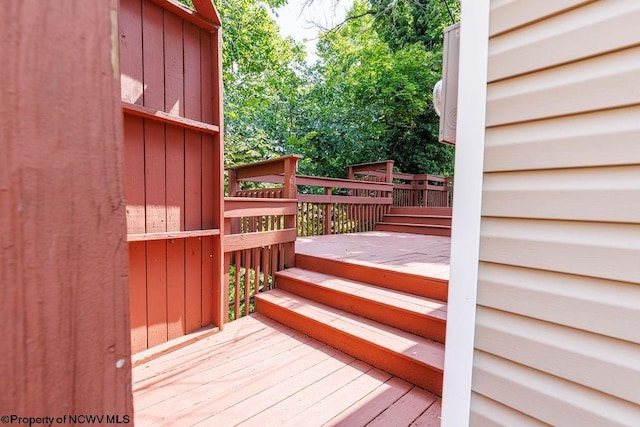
[(400, 252), (285, 377)]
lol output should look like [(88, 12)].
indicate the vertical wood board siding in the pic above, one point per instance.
[(63, 255), (172, 172)]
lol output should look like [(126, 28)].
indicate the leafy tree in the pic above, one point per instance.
[(261, 79), (405, 22), (371, 100), (262, 73), (368, 98)]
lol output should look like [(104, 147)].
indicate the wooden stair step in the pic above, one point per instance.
[(429, 287), (431, 230), (408, 356), (415, 210), (412, 313), (417, 219)]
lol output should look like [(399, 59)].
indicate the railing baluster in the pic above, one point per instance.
[(236, 290), (275, 252), (256, 268), (265, 267), (247, 281)]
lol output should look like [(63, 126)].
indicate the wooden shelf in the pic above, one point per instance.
[(143, 237), (150, 113)]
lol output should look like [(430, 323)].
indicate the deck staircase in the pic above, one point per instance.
[(392, 320), (417, 220)]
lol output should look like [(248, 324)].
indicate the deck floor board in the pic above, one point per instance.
[(260, 372), (287, 378), (403, 252)]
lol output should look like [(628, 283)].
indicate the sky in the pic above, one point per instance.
[(297, 20)]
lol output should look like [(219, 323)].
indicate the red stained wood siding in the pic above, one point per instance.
[(169, 66), (63, 256)]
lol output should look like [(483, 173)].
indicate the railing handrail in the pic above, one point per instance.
[(407, 176), (260, 163), (354, 200), (371, 164), (408, 189), (317, 181), (384, 167), (282, 170), (238, 207)]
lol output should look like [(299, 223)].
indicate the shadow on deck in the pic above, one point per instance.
[(260, 372)]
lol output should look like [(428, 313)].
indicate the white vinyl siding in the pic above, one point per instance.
[(558, 302), (606, 137), (602, 82), (564, 38), (548, 398), (509, 14), (488, 412)]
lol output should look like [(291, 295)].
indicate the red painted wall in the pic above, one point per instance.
[(63, 255), (173, 173)]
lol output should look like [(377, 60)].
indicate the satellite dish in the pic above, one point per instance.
[(437, 98)]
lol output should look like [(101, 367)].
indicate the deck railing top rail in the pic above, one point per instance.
[(263, 168), (408, 189), (317, 181), (376, 179), (376, 169)]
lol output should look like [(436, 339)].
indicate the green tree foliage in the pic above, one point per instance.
[(405, 22), (368, 98), (262, 73), (371, 99)]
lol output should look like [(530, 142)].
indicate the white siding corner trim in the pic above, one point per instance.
[(472, 94)]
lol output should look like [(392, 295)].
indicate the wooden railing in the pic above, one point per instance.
[(346, 206), (419, 190), (260, 232), (261, 224), (325, 205), (258, 244)]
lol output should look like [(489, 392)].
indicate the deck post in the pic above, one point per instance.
[(234, 187), (389, 177), (425, 193), (290, 191), (224, 301), (64, 315), (328, 214)]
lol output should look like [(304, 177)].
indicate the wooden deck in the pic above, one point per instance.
[(259, 372), (401, 252)]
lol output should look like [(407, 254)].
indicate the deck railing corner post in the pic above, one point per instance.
[(290, 191), (328, 213), (234, 185), (389, 177)]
